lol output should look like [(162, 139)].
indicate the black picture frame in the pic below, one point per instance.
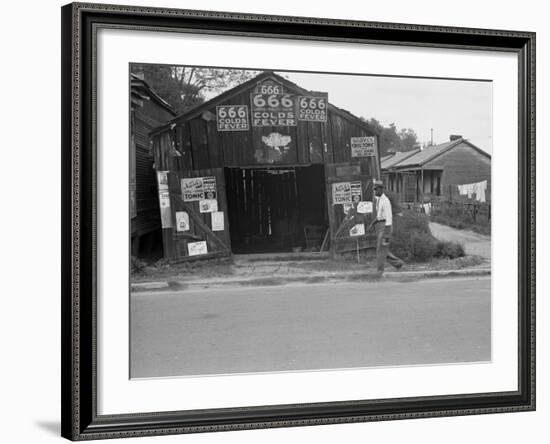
[(80, 420)]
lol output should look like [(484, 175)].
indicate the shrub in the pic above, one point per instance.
[(450, 250), (413, 241), (423, 246)]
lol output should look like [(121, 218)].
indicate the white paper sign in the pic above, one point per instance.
[(162, 177), (356, 191), (357, 230), (208, 205), (164, 199), (217, 221), (197, 248), (182, 221), (364, 207)]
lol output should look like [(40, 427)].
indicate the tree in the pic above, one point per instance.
[(409, 139), (186, 87), (392, 140)]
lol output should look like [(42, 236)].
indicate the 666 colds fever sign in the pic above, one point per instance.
[(232, 117)]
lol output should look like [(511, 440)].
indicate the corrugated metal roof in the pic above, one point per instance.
[(428, 153), (391, 160)]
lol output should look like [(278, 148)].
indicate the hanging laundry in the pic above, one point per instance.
[(477, 188)]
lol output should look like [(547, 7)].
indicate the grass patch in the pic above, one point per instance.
[(456, 217)]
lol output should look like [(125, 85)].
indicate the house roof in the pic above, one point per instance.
[(198, 110), (141, 90), (429, 153), (391, 160)]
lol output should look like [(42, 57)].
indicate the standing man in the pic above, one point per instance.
[(382, 223)]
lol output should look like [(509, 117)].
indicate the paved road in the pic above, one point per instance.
[(299, 327), (474, 243)]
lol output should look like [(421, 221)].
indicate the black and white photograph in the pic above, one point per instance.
[(286, 221)]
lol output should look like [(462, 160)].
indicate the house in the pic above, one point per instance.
[(266, 166), (435, 172), (147, 111)]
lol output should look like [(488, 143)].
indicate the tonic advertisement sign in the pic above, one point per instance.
[(198, 188), (341, 193), (363, 146)]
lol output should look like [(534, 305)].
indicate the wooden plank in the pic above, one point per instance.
[(315, 142), (199, 143), (302, 143), (325, 142), (184, 132)]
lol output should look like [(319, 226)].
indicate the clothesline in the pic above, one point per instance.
[(477, 188)]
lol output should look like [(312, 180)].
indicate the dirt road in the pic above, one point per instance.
[(474, 243)]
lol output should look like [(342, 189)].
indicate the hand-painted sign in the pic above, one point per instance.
[(312, 109), (363, 146), (271, 107), (198, 188), (182, 221), (232, 118), (269, 86), (273, 110), (197, 248), (341, 193)]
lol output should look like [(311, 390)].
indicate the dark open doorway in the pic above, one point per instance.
[(276, 209)]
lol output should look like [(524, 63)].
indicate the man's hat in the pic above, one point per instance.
[(378, 184)]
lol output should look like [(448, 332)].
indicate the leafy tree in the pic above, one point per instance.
[(185, 87), (409, 139), (392, 139)]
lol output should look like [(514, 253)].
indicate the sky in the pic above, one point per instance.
[(448, 106)]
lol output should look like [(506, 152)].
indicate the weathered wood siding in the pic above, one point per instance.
[(203, 146), (192, 143), (146, 118), (461, 165)]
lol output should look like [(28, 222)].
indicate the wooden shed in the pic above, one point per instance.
[(148, 110), (267, 166), (435, 172)]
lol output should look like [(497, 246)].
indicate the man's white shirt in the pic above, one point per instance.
[(383, 209)]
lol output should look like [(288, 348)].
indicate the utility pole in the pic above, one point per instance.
[(432, 136)]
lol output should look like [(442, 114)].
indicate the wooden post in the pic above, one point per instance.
[(421, 185)]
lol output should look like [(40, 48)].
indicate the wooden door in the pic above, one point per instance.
[(194, 217), (348, 219)]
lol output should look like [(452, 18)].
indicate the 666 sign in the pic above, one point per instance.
[(272, 109), (312, 108), (232, 117)]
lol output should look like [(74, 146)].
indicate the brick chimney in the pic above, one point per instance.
[(454, 137)]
